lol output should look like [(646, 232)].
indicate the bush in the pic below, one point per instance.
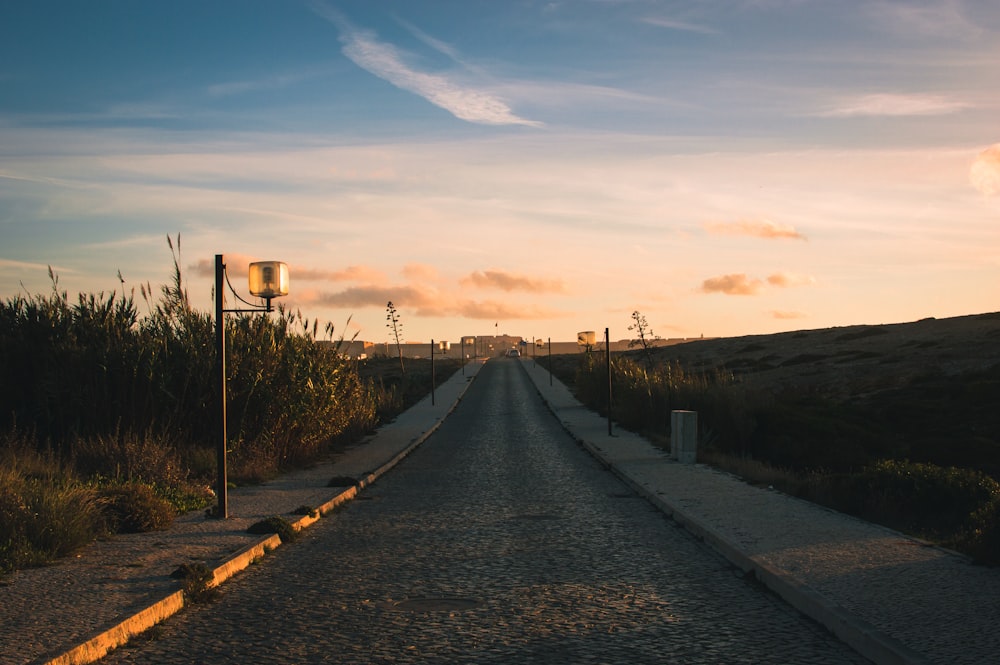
[(42, 519), (932, 501), (134, 508), (274, 524)]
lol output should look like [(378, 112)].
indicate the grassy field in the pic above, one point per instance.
[(897, 423)]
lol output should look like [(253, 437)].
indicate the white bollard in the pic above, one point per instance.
[(684, 436)]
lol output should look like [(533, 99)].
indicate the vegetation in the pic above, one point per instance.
[(109, 416), (882, 458)]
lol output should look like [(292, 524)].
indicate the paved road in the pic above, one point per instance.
[(497, 541)]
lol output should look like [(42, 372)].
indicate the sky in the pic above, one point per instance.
[(722, 167)]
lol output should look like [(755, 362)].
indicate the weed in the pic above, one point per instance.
[(306, 510), (197, 582), (274, 524)]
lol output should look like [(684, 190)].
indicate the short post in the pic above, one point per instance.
[(684, 436)]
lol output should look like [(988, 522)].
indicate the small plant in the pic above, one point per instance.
[(396, 328), (134, 508), (306, 510), (274, 524), (198, 582), (646, 337)]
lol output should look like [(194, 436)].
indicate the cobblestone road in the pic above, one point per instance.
[(497, 541)]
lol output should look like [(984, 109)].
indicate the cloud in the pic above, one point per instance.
[(424, 302), (786, 316), (498, 279), (740, 284), (757, 228), (895, 105), (786, 280), (386, 62), (672, 24), (495, 311), (733, 285), (238, 265), (985, 171)]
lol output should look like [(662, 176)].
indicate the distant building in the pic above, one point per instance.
[(489, 346)]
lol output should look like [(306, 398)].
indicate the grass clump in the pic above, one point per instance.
[(133, 507), (274, 524), (197, 582), (306, 510)]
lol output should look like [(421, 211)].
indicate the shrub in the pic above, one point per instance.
[(41, 519), (274, 524), (927, 499), (134, 508)]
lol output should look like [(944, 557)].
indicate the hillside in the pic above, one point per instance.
[(927, 391)]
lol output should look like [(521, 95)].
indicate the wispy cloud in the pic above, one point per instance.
[(740, 284), (786, 280), (505, 281), (276, 82), (985, 171), (756, 228), (893, 105), (427, 302), (786, 316), (673, 24), (465, 102), (944, 18), (238, 265)]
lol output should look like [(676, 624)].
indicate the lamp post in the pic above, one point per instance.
[(267, 280)]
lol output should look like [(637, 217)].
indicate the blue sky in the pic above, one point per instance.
[(538, 168)]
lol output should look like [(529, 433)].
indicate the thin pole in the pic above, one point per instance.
[(432, 372), (222, 511), (550, 361), (463, 356), (607, 355)]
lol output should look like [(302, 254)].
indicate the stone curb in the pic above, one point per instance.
[(100, 645), (858, 634)]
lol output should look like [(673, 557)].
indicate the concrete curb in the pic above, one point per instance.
[(858, 634), (100, 645)]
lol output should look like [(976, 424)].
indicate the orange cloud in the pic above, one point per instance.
[(237, 265), (985, 171), (505, 281), (784, 280), (733, 285), (786, 315), (431, 303), (756, 228)]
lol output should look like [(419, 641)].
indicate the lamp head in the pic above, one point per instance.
[(269, 279)]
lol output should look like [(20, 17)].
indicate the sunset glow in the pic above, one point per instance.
[(529, 168)]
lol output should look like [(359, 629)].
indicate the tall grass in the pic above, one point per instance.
[(113, 399)]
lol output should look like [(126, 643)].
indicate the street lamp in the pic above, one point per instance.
[(268, 280)]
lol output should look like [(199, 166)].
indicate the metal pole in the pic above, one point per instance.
[(463, 356), (432, 372), (550, 361), (222, 511), (607, 355)]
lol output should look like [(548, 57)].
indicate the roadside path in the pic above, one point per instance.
[(894, 598), (77, 609)]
